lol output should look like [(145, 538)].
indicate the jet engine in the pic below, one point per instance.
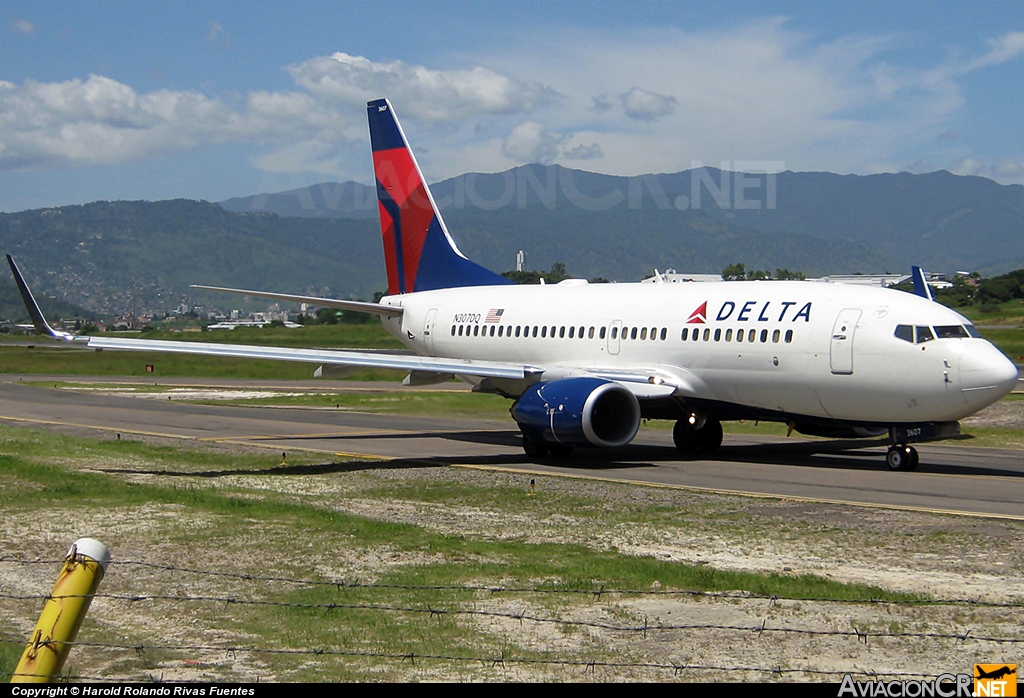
[(577, 412)]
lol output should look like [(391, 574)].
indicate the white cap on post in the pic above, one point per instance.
[(92, 549)]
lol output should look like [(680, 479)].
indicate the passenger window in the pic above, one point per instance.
[(728, 335), (535, 331), (775, 336), (552, 332), (453, 330), (643, 333), (590, 333), (603, 332), (686, 331), (764, 336), (476, 330), (460, 330), (580, 332), (751, 335), (664, 333), (615, 333), (632, 333), (572, 332), (905, 332), (696, 334), (544, 331), (492, 330), (789, 336), (739, 335), (923, 334), (561, 332), (718, 335), (707, 333)]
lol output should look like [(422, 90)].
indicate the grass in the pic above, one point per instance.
[(1010, 312), (49, 359), (239, 519), (32, 483), (447, 403)]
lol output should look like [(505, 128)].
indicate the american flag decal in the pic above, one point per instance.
[(494, 315)]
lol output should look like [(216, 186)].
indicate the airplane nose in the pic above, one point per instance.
[(986, 375)]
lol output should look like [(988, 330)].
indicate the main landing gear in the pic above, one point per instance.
[(697, 435), (535, 448), (902, 457)]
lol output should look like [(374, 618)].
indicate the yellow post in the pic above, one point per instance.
[(63, 612)]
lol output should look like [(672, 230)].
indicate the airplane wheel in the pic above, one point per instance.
[(684, 436), (560, 450), (901, 457), (709, 437), (534, 448)]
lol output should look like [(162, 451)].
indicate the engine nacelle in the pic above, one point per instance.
[(578, 412)]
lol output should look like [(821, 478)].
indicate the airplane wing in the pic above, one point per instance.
[(368, 359), (643, 383), (356, 306), (329, 357)]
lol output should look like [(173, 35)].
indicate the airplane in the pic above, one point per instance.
[(585, 363)]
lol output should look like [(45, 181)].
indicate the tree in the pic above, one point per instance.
[(735, 272)]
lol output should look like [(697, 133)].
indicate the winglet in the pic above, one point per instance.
[(42, 327), (921, 287)]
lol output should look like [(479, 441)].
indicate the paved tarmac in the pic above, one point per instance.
[(952, 478)]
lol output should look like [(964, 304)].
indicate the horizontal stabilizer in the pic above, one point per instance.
[(354, 306)]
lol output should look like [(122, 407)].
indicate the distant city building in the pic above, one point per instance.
[(671, 276), (232, 324)]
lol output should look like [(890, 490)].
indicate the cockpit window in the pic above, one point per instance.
[(905, 332), (948, 331), (923, 334), (972, 331)]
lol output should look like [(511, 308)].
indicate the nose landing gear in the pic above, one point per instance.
[(902, 457)]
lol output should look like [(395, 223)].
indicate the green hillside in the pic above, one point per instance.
[(109, 256)]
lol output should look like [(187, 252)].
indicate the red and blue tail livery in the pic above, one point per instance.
[(419, 253)]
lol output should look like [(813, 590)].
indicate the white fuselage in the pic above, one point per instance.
[(820, 350)]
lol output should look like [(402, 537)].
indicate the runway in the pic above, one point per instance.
[(952, 478)]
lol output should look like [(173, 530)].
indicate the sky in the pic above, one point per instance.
[(210, 100)]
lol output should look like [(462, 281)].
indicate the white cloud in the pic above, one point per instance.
[(1005, 171), (646, 106), (1002, 49), (23, 26), (754, 92), (102, 121), (430, 95), (532, 142), (583, 152)]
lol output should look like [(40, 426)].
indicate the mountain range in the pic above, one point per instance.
[(324, 239)]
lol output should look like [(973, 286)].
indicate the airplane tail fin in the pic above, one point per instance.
[(419, 253), (921, 287)]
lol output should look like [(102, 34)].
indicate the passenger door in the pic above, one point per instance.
[(841, 350)]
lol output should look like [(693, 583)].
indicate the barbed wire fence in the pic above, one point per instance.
[(505, 659)]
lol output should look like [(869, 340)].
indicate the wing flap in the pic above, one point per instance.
[(401, 362)]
